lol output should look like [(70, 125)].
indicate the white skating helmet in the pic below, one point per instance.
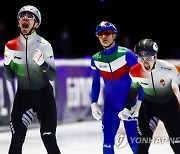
[(32, 9)]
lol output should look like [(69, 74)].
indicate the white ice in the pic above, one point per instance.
[(78, 138)]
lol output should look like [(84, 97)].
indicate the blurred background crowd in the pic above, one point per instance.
[(70, 25)]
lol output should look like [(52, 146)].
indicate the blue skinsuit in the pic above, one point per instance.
[(116, 91)]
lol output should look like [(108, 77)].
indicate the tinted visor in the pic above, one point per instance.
[(147, 58), (26, 15), (105, 32)]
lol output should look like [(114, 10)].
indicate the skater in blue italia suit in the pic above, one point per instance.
[(112, 64)]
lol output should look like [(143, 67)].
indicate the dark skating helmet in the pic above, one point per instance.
[(146, 47), (105, 25)]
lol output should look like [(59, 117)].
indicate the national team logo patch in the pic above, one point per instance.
[(99, 56), (162, 82)]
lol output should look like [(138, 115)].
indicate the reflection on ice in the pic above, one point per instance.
[(78, 138)]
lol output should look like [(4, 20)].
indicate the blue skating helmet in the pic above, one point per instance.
[(105, 25)]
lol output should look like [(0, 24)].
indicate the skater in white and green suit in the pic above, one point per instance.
[(160, 81), (30, 59)]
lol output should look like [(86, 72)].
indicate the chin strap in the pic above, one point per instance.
[(153, 65)]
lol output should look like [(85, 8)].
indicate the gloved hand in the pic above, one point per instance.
[(135, 109), (125, 114), (8, 56), (96, 111), (38, 57)]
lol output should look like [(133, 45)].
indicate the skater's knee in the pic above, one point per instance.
[(49, 140), (47, 136)]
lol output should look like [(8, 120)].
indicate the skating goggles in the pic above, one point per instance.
[(26, 15), (105, 32), (147, 58)]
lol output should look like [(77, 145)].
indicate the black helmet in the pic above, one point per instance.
[(146, 47)]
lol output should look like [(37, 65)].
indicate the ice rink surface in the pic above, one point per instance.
[(80, 138)]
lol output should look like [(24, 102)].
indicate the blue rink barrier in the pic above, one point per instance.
[(71, 88)]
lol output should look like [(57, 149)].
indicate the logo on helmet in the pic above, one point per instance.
[(155, 47), (103, 24)]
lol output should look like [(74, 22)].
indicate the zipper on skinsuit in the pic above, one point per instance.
[(154, 86), (109, 66), (28, 67)]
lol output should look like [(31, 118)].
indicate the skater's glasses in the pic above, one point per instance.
[(26, 15), (105, 33), (147, 58)]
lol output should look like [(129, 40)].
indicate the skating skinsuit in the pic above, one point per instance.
[(113, 66), (34, 94), (160, 102), (29, 74)]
